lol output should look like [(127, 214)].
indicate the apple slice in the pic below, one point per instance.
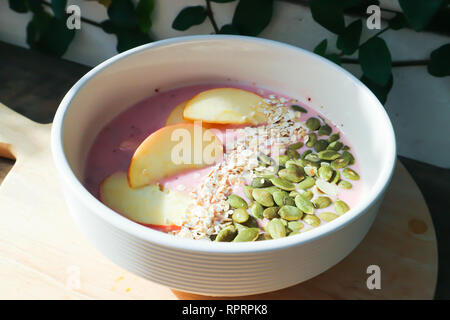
[(226, 106), (176, 115), (171, 150), (148, 205)]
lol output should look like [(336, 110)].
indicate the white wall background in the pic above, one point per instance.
[(418, 105)]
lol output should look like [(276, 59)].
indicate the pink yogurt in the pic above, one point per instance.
[(114, 146)]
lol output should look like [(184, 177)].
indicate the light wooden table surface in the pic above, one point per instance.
[(43, 255)]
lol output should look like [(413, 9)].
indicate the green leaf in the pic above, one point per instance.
[(108, 27), (229, 29), (398, 22), (105, 3), (35, 6), (375, 60), (321, 48), (59, 8), (348, 41), (329, 14), (439, 65), (188, 17), (380, 91), (127, 39), (252, 16), (38, 25), (334, 58), (19, 6), (360, 5), (49, 34), (122, 14), (418, 13), (222, 1), (144, 12), (57, 41)]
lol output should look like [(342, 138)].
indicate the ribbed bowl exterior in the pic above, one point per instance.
[(221, 269), (219, 274)]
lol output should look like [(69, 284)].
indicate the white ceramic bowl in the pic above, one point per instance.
[(221, 269)]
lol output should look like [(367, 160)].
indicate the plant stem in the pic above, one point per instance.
[(400, 63), (405, 63), (375, 35), (88, 21), (211, 16)]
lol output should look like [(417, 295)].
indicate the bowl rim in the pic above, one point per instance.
[(124, 224)]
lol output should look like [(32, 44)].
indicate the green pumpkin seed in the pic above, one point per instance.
[(265, 159), (272, 189), (263, 197), (291, 153), (298, 108), (292, 164), (327, 188), (328, 216), (240, 215), (285, 223), (310, 171), (312, 157), (296, 146), (227, 234), (340, 163), (252, 222), (290, 213), (283, 184), (257, 210), (267, 236), (261, 237), (304, 204), (322, 202), (293, 194), (325, 172), (295, 225), (308, 195), (279, 196), (276, 228), (248, 192), (260, 182), (291, 174), (340, 207), (311, 140), (236, 202), (351, 159), (333, 137), (336, 177), (313, 123), (282, 160), (307, 183), (336, 146), (312, 220), (240, 227), (324, 130), (306, 163), (271, 212), (305, 154), (328, 155), (268, 173), (350, 174), (249, 234), (344, 148), (345, 184), (293, 233), (320, 145), (289, 201)]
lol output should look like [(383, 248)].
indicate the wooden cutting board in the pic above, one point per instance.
[(44, 256)]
